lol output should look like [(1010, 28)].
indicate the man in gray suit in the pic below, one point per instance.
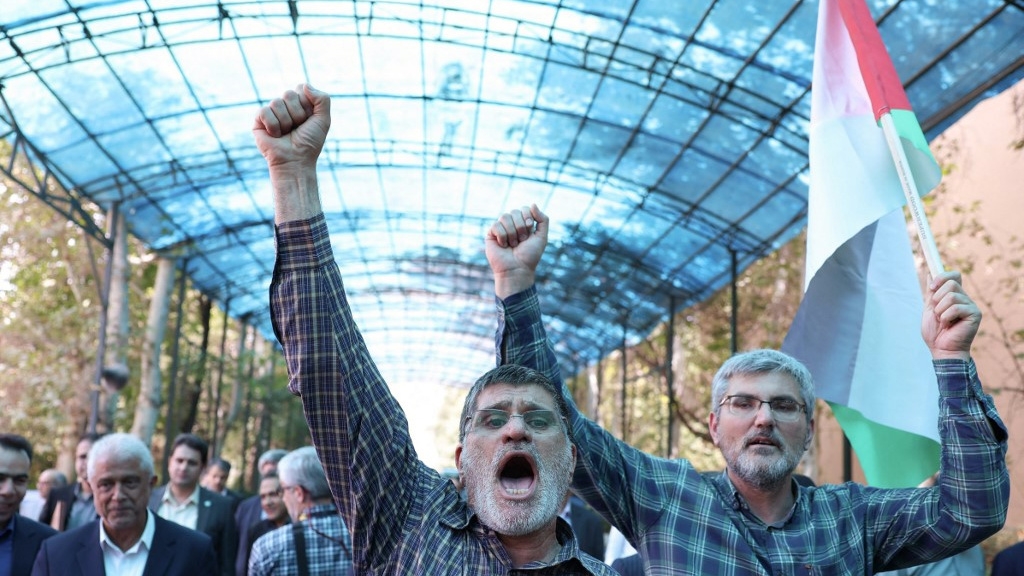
[(184, 501), (127, 538)]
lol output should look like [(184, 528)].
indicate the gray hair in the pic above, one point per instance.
[(120, 447), (57, 478), (274, 455), (514, 375), (302, 467), (763, 361)]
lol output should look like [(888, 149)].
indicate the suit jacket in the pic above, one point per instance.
[(589, 527), (61, 499), (1009, 562), (236, 498), (630, 565), (28, 536), (176, 551), (216, 520), (247, 515)]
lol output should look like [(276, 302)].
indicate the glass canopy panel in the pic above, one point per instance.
[(657, 136)]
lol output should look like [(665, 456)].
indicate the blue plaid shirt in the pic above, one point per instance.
[(403, 517), (682, 522), (327, 553)]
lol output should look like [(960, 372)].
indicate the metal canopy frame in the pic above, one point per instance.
[(667, 140)]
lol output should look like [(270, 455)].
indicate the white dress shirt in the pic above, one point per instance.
[(130, 562)]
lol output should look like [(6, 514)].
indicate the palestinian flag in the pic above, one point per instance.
[(859, 325)]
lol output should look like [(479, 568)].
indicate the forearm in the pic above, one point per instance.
[(974, 482), (971, 498), (604, 464), (296, 193), (351, 414)]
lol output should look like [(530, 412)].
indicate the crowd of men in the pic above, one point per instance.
[(530, 466), (115, 520)]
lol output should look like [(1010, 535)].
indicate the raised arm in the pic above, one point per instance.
[(970, 501), (290, 132), (353, 418), (607, 468)]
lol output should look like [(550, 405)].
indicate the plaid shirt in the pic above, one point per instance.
[(682, 522), (403, 517), (273, 554)]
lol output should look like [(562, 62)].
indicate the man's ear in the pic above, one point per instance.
[(713, 427), (810, 434), (458, 458)]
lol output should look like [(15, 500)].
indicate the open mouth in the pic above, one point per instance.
[(517, 475), (763, 441)]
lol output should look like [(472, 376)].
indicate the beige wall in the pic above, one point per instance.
[(986, 170)]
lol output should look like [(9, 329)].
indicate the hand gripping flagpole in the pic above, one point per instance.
[(924, 231)]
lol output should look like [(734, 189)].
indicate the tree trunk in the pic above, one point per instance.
[(147, 409), (191, 394), (118, 315), (238, 385)]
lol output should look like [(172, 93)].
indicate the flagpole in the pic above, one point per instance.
[(924, 231)]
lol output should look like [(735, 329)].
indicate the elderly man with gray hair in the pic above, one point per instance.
[(317, 541), (127, 538)]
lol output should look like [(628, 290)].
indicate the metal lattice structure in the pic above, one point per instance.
[(665, 138)]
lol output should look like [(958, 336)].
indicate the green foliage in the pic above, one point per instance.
[(49, 326), (769, 294)]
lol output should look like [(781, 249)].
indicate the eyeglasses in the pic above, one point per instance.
[(782, 409), (493, 420)]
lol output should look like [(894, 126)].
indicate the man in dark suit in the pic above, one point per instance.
[(249, 512), (20, 537), (72, 506), (184, 501), (1010, 561), (128, 536), (215, 479), (589, 527)]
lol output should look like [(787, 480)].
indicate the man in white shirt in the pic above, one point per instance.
[(127, 539), (185, 502)]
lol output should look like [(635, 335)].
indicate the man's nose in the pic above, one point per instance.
[(7, 486), (515, 428), (764, 415)]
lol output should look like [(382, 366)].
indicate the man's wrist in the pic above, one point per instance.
[(514, 282), (950, 355), (296, 195)]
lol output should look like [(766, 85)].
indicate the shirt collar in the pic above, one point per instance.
[(193, 497), (739, 503), (9, 530), (79, 494), (144, 543)]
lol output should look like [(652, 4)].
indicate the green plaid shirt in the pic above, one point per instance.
[(403, 517), (682, 522)]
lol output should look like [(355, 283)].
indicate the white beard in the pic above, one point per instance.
[(520, 517)]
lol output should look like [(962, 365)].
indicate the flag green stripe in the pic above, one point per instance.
[(909, 128), (890, 458)]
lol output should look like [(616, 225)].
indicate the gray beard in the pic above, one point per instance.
[(754, 471), (517, 518)]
